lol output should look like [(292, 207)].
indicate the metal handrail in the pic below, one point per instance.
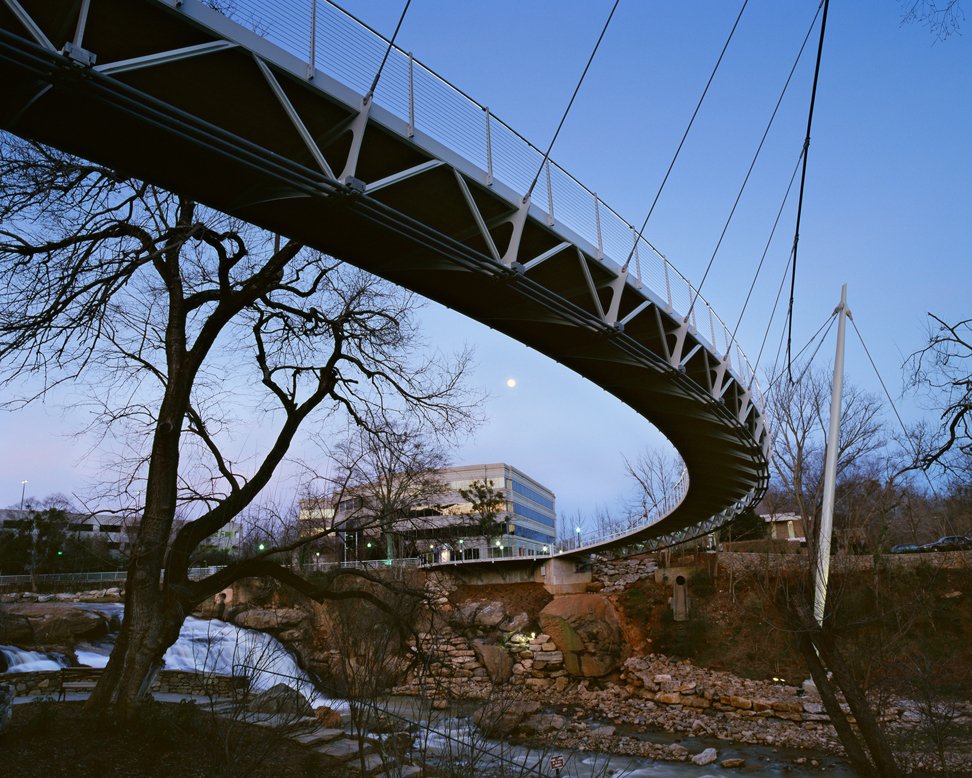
[(658, 511), (321, 34)]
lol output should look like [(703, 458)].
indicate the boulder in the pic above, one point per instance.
[(264, 620), (499, 718), (328, 717), (15, 629), (731, 763), (585, 627), (515, 624), (57, 622), (496, 660), (281, 699), (490, 615), (541, 724), (706, 757)]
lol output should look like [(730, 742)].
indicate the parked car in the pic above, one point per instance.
[(904, 548), (950, 543)]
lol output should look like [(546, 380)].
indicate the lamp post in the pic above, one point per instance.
[(23, 490), (578, 537)]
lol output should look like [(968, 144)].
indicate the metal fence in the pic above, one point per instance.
[(323, 35), (200, 572), (120, 575)]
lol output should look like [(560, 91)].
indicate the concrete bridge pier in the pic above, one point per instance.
[(559, 575)]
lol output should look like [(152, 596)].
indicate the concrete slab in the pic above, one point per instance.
[(372, 765), (319, 736)]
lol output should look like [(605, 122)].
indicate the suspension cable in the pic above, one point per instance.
[(803, 178), (682, 142), (894, 408), (698, 291), (762, 259), (829, 323), (391, 43), (576, 90), (769, 324)]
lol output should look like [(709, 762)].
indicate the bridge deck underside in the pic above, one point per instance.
[(210, 126)]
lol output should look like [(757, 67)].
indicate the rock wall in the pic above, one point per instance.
[(616, 575)]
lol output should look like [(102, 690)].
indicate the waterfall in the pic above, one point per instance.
[(203, 646), (16, 660)]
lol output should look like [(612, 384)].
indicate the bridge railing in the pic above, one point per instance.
[(658, 511), (334, 42)]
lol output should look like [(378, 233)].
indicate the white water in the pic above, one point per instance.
[(20, 661), (203, 646)]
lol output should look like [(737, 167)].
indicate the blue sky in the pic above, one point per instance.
[(886, 210)]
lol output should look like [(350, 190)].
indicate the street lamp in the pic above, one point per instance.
[(23, 490), (578, 536)]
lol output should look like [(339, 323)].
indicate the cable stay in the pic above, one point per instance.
[(894, 408), (391, 43), (576, 90), (803, 179), (682, 142), (827, 325), (698, 290), (762, 259)]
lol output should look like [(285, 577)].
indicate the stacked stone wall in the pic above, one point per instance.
[(616, 575)]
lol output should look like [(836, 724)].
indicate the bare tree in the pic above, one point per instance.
[(941, 17), (387, 485), (940, 374), (180, 319), (801, 420), (655, 472)]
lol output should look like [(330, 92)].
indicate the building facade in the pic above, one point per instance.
[(442, 525)]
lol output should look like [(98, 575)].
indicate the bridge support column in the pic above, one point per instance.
[(559, 575)]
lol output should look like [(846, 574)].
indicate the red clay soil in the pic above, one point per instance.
[(529, 598)]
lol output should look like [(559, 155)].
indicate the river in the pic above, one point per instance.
[(218, 647)]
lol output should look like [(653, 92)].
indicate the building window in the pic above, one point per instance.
[(532, 494)]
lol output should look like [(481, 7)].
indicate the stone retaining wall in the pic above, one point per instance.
[(40, 684), (614, 575), (740, 562)]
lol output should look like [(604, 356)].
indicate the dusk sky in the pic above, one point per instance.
[(887, 208)]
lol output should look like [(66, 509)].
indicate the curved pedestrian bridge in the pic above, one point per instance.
[(416, 183)]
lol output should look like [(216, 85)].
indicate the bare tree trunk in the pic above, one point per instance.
[(880, 751), (855, 752)]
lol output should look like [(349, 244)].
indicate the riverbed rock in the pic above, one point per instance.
[(541, 724), (281, 699), (500, 717), (57, 622), (265, 620), (585, 627), (706, 757), (328, 717), (15, 628)]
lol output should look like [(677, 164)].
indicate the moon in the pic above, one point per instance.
[(511, 383)]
